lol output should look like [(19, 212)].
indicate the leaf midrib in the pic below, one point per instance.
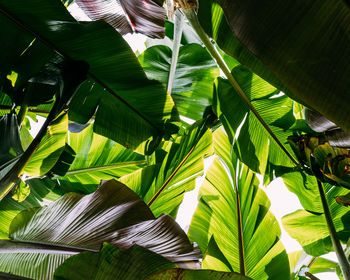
[(58, 50), (101, 167)]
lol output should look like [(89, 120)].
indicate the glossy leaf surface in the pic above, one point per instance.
[(76, 223)]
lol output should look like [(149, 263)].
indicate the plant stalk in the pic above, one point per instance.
[(343, 262), (311, 276), (21, 114), (192, 18), (178, 25)]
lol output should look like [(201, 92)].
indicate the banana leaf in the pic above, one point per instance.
[(42, 238), (147, 17), (252, 143), (301, 47), (96, 158), (173, 170), (232, 223), (42, 192), (196, 71), (135, 263), (310, 229), (129, 108)]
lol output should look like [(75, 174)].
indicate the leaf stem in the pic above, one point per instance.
[(343, 262), (311, 276), (178, 25), (21, 114), (192, 18)]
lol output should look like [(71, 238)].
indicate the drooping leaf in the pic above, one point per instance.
[(193, 82), (112, 263), (311, 230), (146, 17), (292, 45), (130, 108), (163, 184), (252, 143), (234, 211), (97, 158), (42, 238)]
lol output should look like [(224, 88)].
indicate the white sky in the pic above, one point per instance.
[(282, 201)]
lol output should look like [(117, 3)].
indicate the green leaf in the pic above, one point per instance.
[(130, 108), (252, 143), (311, 230), (42, 238), (21, 191), (292, 45), (204, 274), (234, 210), (193, 82), (162, 185), (50, 147), (112, 263), (42, 192), (97, 158), (305, 187)]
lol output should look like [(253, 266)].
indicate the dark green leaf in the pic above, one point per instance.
[(301, 45)]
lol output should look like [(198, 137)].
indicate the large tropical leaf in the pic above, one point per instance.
[(50, 147), (42, 238), (174, 170), (298, 45), (147, 17), (42, 192), (310, 229), (232, 223), (135, 263), (97, 158), (112, 263), (129, 108), (193, 82), (252, 143)]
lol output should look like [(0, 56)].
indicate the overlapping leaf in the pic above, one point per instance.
[(292, 45), (130, 108), (252, 143), (195, 73), (311, 230), (174, 170), (42, 238), (232, 223), (147, 17), (97, 158)]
